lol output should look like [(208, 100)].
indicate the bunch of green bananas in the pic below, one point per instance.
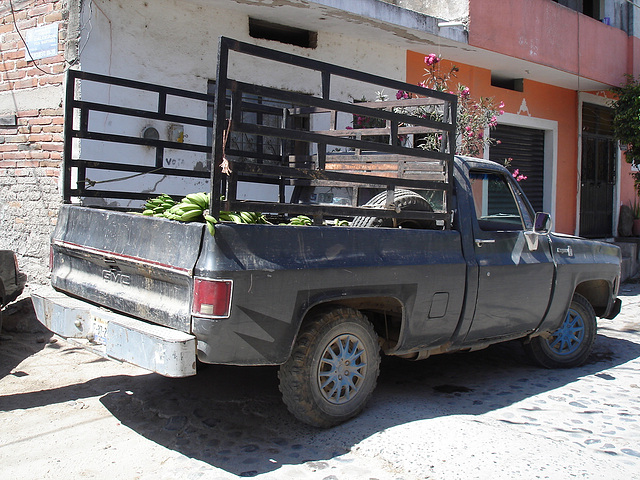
[(242, 217), (158, 205), (191, 207), (300, 220), (235, 217)]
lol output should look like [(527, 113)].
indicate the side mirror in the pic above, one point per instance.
[(542, 224)]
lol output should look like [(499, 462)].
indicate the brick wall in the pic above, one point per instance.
[(31, 140)]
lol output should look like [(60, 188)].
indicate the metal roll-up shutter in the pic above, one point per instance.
[(526, 147)]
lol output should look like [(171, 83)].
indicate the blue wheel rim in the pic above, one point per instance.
[(342, 369), (568, 338)]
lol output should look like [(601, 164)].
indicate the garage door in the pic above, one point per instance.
[(526, 147)]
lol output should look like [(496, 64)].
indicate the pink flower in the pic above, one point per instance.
[(399, 95), (501, 105), (465, 92), (431, 59)]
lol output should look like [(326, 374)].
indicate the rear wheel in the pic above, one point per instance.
[(571, 344), (333, 368)]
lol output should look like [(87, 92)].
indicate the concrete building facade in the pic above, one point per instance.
[(550, 62)]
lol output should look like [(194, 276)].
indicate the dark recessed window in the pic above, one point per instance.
[(516, 84), (591, 8), (282, 33)]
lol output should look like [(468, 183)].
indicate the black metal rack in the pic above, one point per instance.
[(298, 155), (361, 165), (76, 126)]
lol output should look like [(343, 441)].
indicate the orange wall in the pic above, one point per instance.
[(546, 33), (543, 101)]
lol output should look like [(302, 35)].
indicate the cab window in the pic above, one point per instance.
[(496, 206)]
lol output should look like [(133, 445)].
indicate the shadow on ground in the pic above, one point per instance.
[(22, 335), (233, 418)]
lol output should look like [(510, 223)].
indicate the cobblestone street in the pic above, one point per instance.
[(67, 413)]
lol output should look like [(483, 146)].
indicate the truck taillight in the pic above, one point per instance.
[(211, 298)]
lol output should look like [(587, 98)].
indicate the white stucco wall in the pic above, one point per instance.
[(175, 43), (445, 9)]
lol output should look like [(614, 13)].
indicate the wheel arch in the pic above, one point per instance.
[(385, 313), (598, 293)]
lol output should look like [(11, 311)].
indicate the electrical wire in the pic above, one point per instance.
[(15, 23)]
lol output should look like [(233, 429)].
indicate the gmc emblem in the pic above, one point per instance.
[(116, 277)]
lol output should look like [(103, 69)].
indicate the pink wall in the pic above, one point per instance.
[(546, 33)]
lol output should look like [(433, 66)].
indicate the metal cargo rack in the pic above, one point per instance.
[(301, 145), (375, 156), (77, 182)]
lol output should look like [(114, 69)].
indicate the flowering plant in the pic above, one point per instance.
[(473, 116), (516, 173)]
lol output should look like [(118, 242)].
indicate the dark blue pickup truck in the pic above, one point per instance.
[(424, 262)]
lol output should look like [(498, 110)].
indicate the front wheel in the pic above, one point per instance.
[(571, 344), (333, 368)]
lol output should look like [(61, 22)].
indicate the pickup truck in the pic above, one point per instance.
[(419, 253)]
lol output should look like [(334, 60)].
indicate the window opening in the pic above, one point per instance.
[(515, 84), (591, 8), (282, 33)]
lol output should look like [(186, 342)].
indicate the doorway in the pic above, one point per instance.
[(598, 172)]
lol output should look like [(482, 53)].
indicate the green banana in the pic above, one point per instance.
[(211, 226), (189, 207), (190, 215), (201, 199), (236, 218), (247, 217)]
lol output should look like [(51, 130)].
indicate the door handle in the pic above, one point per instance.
[(480, 241), (567, 251)]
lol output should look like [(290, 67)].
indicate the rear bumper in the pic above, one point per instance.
[(160, 349)]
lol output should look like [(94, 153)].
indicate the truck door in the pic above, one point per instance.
[(515, 265)]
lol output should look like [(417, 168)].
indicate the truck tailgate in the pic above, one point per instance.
[(137, 265)]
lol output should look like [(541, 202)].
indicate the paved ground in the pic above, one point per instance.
[(66, 413)]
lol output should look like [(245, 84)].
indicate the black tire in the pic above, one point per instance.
[(333, 368), (403, 200), (571, 344)]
